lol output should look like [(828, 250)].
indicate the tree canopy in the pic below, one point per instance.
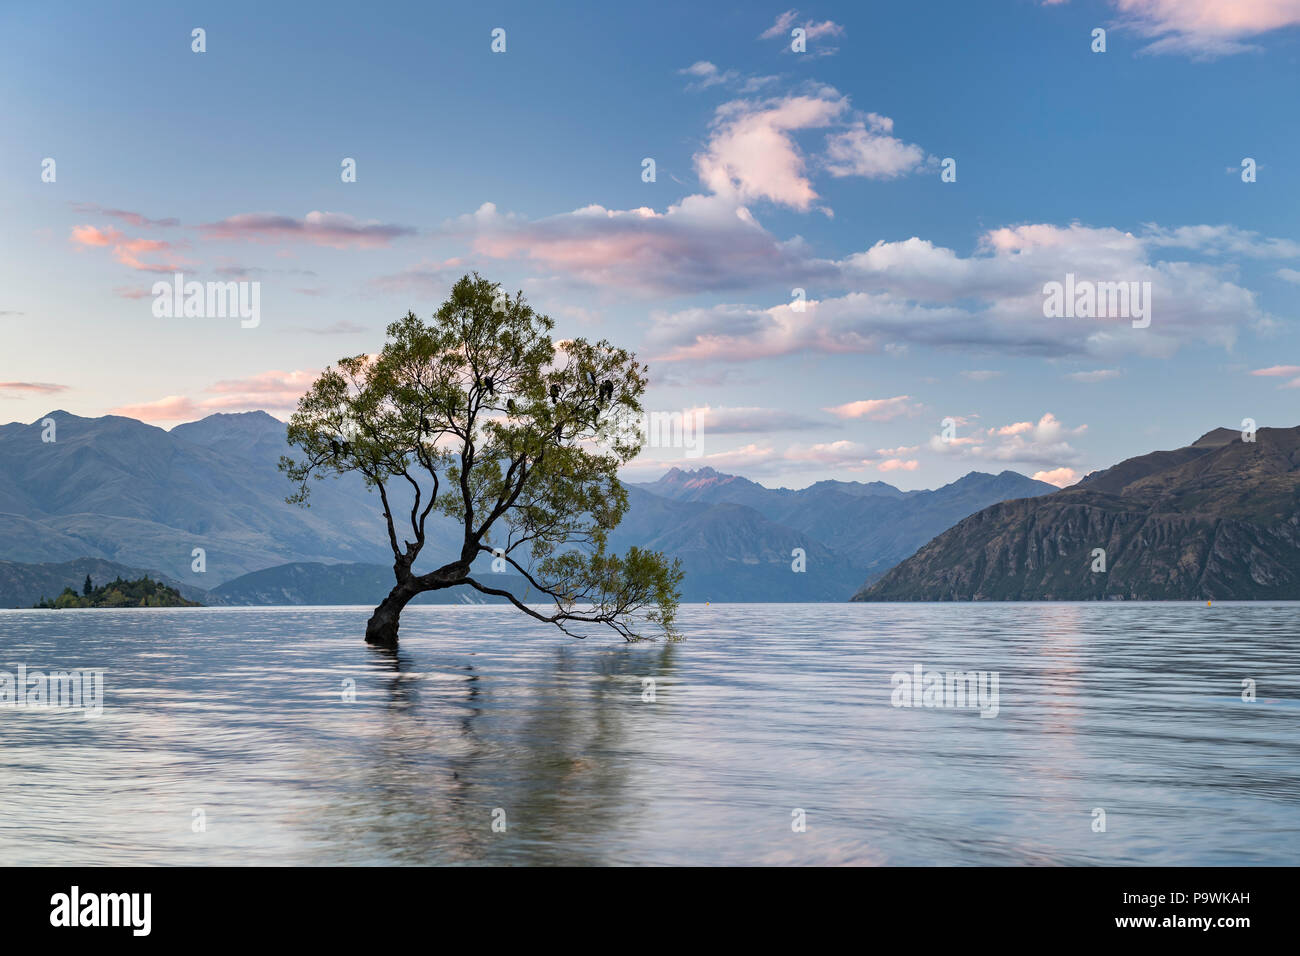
[(480, 416)]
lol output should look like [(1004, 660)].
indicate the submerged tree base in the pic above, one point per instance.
[(381, 629)]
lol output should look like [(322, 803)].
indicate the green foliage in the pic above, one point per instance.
[(481, 416), (145, 592)]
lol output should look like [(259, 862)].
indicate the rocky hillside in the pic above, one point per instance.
[(1219, 519)]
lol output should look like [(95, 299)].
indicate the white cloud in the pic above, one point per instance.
[(1042, 442), (867, 149), (812, 30), (1221, 240), (1096, 375)]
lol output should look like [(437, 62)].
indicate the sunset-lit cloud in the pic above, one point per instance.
[(1285, 371), (895, 464), (1061, 477), (336, 230), (128, 251), (702, 243), (21, 389), (1042, 442), (1205, 28), (876, 409), (131, 218), (274, 391)]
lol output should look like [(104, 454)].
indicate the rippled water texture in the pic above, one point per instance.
[(1134, 709)]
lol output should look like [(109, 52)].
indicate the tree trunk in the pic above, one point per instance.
[(382, 628)]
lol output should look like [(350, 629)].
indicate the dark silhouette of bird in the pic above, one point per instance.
[(334, 448), (606, 391), (487, 384), (424, 425), (510, 405), (555, 393)]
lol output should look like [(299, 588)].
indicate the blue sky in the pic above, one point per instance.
[(775, 170)]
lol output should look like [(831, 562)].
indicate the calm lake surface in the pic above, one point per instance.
[(1134, 709)]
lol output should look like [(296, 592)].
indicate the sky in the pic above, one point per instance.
[(837, 269)]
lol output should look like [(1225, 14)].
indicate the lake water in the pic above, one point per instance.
[(765, 710)]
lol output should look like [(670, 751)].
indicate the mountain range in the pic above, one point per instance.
[(141, 499), (1218, 519)]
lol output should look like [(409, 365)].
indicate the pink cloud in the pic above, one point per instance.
[(285, 387), (133, 218), (171, 408), (32, 388), (94, 236), (336, 230), (1282, 370), (1061, 477), (751, 154), (1018, 428), (895, 464), (875, 409), (836, 453), (1205, 28), (128, 251), (701, 244), (273, 390)]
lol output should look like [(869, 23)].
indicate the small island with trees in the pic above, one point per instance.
[(145, 592)]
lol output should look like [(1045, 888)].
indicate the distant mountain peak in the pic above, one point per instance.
[(1216, 437), (255, 414), (231, 425), (679, 474), (703, 477)]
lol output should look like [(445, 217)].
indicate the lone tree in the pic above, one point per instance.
[(481, 417)]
